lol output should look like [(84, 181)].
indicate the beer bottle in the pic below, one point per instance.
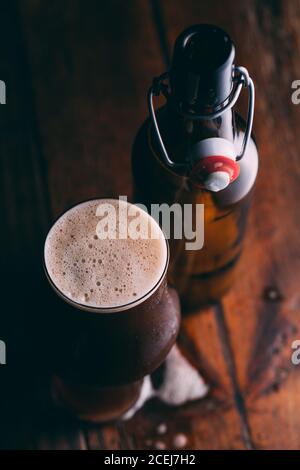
[(195, 149)]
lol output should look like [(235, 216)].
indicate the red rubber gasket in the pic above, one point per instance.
[(210, 164)]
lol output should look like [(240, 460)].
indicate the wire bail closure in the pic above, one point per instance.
[(241, 78)]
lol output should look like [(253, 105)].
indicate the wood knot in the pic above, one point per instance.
[(272, 294)]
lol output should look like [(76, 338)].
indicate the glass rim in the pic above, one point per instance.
[(114, 309)]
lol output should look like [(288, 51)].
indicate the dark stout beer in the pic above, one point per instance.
[(115, 317)]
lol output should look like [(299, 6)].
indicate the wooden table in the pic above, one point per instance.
[(77, 74)]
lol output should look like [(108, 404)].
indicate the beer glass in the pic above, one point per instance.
[(102, 353)]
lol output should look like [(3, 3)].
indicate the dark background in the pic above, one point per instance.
[(76, 74)]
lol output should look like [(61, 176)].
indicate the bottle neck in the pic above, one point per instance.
[(187, 132), (223, 126), (201, 73)]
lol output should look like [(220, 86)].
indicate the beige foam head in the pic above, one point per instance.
[(99, 272)]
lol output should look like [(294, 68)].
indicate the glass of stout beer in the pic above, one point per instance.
[(114, 317)]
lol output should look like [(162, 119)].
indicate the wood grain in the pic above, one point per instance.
[(210, 423), (261, 314), (89, 91), (88, 114), (77, 75), (25, 215)]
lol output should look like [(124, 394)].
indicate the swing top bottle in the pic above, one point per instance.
[(196, 149)]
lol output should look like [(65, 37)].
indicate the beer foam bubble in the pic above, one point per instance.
[(104, 272)]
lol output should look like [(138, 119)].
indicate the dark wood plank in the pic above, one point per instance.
[(210, 423), (105, 437), (91, 69), (261, 314), (25, 214)]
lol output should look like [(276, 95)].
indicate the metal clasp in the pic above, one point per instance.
[(241, 79)]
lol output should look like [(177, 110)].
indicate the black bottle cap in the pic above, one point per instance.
[(202, 68)]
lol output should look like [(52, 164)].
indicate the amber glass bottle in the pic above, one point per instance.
[(196, 149)]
